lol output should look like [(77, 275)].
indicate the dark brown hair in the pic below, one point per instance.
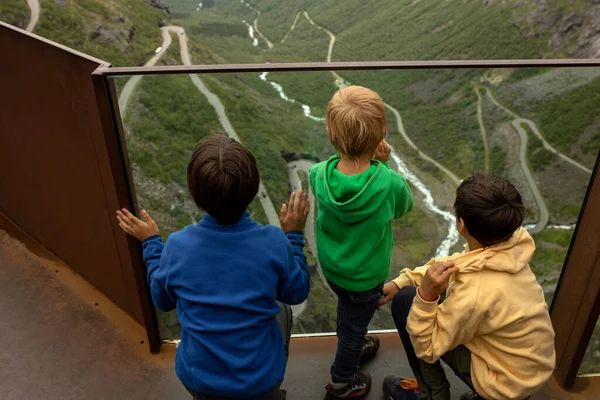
[(490, 206), (222, 178)]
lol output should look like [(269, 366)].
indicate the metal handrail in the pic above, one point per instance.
[(346, 66)]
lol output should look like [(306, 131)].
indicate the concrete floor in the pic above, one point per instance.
[(62, 339)]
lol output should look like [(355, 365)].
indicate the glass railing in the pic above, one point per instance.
[(537, 127), (591, 358)]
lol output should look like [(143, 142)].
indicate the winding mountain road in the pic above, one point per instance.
[(484, 134), (543, 217), (455, 179), (34, 6), (518, 123), (452, 236), (549, 147), (340, 82), (134, 80), (291, 27), (263, 37), (215, 102), (537, 133), (294, 169)]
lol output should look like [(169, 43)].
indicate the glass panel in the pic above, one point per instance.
[(536, 127), (591, 359)]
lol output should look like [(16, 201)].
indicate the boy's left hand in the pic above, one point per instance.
[(131, 224), (383, 151), (293, 216), (436, 280)]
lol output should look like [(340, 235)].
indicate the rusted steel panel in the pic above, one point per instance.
[(576, 304), (57, 182)]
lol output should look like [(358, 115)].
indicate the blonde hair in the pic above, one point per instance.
[(355, 122)]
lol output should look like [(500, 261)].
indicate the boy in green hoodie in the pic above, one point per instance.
[(357, 196)]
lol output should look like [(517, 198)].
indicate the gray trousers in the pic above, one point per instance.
[(285, 323), (431, 377)]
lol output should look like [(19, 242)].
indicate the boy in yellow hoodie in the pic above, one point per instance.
[(493, 329)]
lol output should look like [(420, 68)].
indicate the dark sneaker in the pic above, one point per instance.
[(398, 388), (355, 390), (369, 349)]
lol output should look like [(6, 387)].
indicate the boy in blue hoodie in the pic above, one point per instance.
[(226, 275)]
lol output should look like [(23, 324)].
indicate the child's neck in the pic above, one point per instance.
[(352, 167), (473, 244)]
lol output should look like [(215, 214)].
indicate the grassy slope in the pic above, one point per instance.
[(438, 107), (367, 32), (74, 25), (15, 12)]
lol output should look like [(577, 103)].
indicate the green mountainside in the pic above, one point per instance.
[(446, 113), (117, 31), (14, 12)]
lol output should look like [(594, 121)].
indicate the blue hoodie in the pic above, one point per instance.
[(224, 282)]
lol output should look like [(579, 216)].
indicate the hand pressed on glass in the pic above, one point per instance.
[(293, 216), (134, 226)]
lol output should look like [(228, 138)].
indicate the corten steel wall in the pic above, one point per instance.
[(56, 180)]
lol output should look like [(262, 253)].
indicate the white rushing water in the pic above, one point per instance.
[(568, 227), (251, 33), (452, 237), (305, 108)]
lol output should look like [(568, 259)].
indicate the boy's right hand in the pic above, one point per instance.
[(131, 224), (383, 151), (293, 217)]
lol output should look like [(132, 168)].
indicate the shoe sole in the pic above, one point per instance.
[(359, 395)]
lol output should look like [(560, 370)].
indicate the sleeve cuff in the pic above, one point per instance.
[(428, 307), (295, 237), (401, 281), (151, 238)]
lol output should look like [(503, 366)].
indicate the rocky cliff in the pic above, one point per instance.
[(572, 28)]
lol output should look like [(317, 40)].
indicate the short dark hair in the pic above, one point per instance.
[(222, 178), (490, 206)]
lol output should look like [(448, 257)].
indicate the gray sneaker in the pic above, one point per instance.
[(369, 349), (354, 390)]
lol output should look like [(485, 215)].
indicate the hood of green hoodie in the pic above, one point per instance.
[(350, 198)]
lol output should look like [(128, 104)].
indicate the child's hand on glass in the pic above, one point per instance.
[(131, 224), (293, 216), (383, 151)]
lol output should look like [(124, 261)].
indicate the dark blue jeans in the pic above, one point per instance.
[(354, 312)]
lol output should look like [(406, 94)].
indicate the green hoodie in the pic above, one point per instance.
[(354, 229)]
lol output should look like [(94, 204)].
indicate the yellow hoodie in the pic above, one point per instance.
[(495, 307)]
